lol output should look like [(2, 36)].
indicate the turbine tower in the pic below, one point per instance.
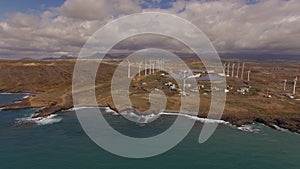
[(150, 66), (128, 73), (294, 87), (243, 67), (153, 67), (232, 74), (249, 75), (145, 68), (228, 67), (238, 69), (140, 65), (284, 85)]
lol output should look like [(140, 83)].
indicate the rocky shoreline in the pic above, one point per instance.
[(233, 120)]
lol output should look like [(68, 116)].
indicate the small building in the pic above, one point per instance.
[(243, 90), (173, 87)]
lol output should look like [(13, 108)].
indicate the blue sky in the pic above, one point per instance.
[(11, 6)]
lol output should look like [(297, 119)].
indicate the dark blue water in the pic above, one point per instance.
[(64, 145), (11, 97)]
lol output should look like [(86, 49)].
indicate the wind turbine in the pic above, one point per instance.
[(228, 67), (150, 66), (238, 69), (140, 65), (284, 85), (232, 74), (128, 73), (294, 87), (243, 67), (145, 68), (249, 75), (183, 88), (153, 67)]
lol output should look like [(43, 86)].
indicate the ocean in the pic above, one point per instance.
[(59, 142)]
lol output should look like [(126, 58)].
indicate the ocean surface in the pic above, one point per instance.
[(59, 142)]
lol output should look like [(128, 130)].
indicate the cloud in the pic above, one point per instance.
[(270, 26), (233, 26), (97, 9)]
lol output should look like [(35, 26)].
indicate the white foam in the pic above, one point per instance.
[(25, 97), (109, 110), (151, 117), (140, 118), (280, 129), (249, 128), (83, 107), (53, 118), (193, 117)]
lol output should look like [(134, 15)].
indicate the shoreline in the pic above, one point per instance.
[(226, 120), (248, 127)]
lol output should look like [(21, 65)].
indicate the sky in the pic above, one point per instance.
[(47, 28)]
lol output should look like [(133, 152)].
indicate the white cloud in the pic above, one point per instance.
[(97, 9), (270, 26)]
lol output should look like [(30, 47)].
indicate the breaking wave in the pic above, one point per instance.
[(249, 128), (143, 119), (25, 97), (53, 118), (280, 129), (83, 107), (203, 120)]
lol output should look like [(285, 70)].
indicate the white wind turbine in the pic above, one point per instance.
[(128, 71), (237, 71), (145, 68), (150, 66), (153, 67), (284, 85), (140, 66), (232, 73), (294, 87), (228, 67), (249, 75), (243, 67)]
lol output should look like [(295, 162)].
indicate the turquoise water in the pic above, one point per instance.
[(64, 145)]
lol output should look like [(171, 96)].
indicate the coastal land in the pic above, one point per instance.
[(50, 85)]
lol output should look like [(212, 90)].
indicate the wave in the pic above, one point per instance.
[(280, 129), (6, 93), (140, 118), (82, 107), (53, 118), (249, 128), (25, 97), (151, 117), (193, 117)]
